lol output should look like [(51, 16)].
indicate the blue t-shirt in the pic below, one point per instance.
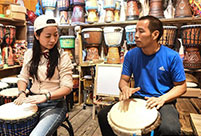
[(155, 73)]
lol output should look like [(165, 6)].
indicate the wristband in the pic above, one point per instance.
[(46, 97), (20, 92)]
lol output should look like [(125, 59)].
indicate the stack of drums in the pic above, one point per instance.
[(67, 42), (156, 8), (169, 36), (109, 6), (113, 38), (92, 9), (130, 36), (78, 12), (191, 40), (132, 12), (49, 6), (63, 7), (9, 90), (92, 38)]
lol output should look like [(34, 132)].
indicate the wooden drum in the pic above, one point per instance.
[(8, 95), (191, 40), (131, 117), (11, 81), (18, 120), (169, 36), (113, 37), (67, 41)]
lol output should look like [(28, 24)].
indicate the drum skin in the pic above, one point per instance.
[(132, 117)]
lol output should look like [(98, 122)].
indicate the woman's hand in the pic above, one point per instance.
[(35, 99), (126, 92), (20, 99)]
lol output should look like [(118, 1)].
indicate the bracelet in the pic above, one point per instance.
[(49, 96), (46, 97), (20, 92)]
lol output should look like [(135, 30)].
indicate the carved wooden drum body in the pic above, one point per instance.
[(132, 117)]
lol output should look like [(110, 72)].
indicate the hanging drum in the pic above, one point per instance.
[(132, 12), (78, 14), (130, 36), (92, 8), (49, 6), (191, 40), (169, 36), (113, 38), (92, 39), (63, 5), (183, 9), (156, 8), (109, 6)]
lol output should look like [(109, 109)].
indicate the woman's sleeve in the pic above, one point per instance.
[(24, 73), (65, 71)]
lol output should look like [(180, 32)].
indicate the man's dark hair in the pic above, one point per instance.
[(154, 24)]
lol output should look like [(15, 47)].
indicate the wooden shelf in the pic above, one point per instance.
[(9, 21), (169, 21), (5, 72)]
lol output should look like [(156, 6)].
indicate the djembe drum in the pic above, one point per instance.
[(11, 81), (8, 95), (92, 8), (113, 37), (191, 40), (130, 36), (67, 42), (117, 10), (169, 36), (156, 8), (92, 39), (63, 6), (183, 9), (18, 120), (78, 14), (49, 6), (109, 6), (131, 117), (132, 12), (3, 86)]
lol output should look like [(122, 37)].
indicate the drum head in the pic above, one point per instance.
[(132, 115), (9, 80), (10, 111), (3, 85), (9, 92)]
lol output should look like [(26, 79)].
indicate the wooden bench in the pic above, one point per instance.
[(185, 107)]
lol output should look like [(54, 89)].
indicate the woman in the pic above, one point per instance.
[(50, 69)]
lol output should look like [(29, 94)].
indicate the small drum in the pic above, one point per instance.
[(63, 5), (88, 82), (92, 8), (109, 6), (18, 120), (132, 12), (3, 86), (130, 35), (63, 17), (169, 36), (156, 8), (78, 15), (67, 41), (191, 35), (133, 118), (75, 81), (191, 40), (8, 95), (183, 9), (92, 36), (11, 81)]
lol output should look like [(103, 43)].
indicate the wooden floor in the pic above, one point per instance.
[(82, 122)]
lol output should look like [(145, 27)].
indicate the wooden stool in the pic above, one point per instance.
[(68, 127)]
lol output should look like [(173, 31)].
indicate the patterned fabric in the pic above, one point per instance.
[(196, 7)]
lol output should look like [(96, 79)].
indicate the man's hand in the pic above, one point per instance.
[(154, 102), (126, 92)]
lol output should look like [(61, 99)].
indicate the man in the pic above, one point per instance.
[(159, 77)]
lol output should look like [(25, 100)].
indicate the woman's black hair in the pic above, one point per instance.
[(37, 53)]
